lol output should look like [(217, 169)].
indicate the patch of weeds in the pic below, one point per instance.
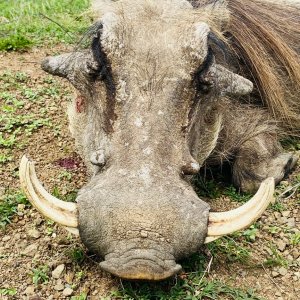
[(4, 158), (14, 119), (31, 22), (251, 232), (236, 196), (79, 275), (15, 42), (231, 249), (9, 206), (276, 259), (195, 286), (278, 206), (206, 188), (82, 296), (77, 255), (274, 229), (65, 175), (8, 292), (295, 239), (69, 197), (40, 275), (49, 229)]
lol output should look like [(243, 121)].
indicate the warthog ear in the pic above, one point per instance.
[(226, 82), (70, 65)]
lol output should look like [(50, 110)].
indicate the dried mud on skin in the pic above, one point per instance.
[(30, 242)]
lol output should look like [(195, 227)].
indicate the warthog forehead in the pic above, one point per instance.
[(164, 34)]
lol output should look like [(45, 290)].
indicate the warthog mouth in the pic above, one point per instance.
[(143, 263)]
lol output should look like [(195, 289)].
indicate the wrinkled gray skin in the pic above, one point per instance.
[(145, 116)]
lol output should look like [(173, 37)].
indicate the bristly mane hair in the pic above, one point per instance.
[(265, 37)]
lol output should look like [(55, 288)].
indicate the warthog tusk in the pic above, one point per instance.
[(224, 223), (61, 212)]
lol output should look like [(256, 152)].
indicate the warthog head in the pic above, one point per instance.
[(135, 122)]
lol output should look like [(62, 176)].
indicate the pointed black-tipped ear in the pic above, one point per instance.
[(60, 65), (69, 64)]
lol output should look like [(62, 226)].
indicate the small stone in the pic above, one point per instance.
[(275, 274), (29, 290), (56, 273), (67, 292), (278, 294), (38, 221), (281, 245), (286, 213), (277, 215), (6, 238), (27, 106), (59, 287), (34, 233), (283, 220), (282, 271), (291, 222), (295, 253), (30, 250), (21, 207)]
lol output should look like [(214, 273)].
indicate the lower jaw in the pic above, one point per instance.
[(141, 270)]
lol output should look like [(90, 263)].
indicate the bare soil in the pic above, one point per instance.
[(30, 242)]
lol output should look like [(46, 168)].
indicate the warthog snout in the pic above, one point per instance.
[(141, 230)]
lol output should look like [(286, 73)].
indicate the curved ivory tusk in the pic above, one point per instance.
[(224, 223), (61, 212)]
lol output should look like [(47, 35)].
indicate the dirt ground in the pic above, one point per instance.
[(30, 242)]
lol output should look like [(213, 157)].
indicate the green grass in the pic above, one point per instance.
[(229, 249), (276, 259), (18, 93), (8, 292), (76, 254), (82, 296), (40, 274), (39, 22), (193, 284), (9, 206), (212, 189), (194, 287), (69, 197)]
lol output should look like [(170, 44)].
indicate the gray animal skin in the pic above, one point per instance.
[(153, 107)]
